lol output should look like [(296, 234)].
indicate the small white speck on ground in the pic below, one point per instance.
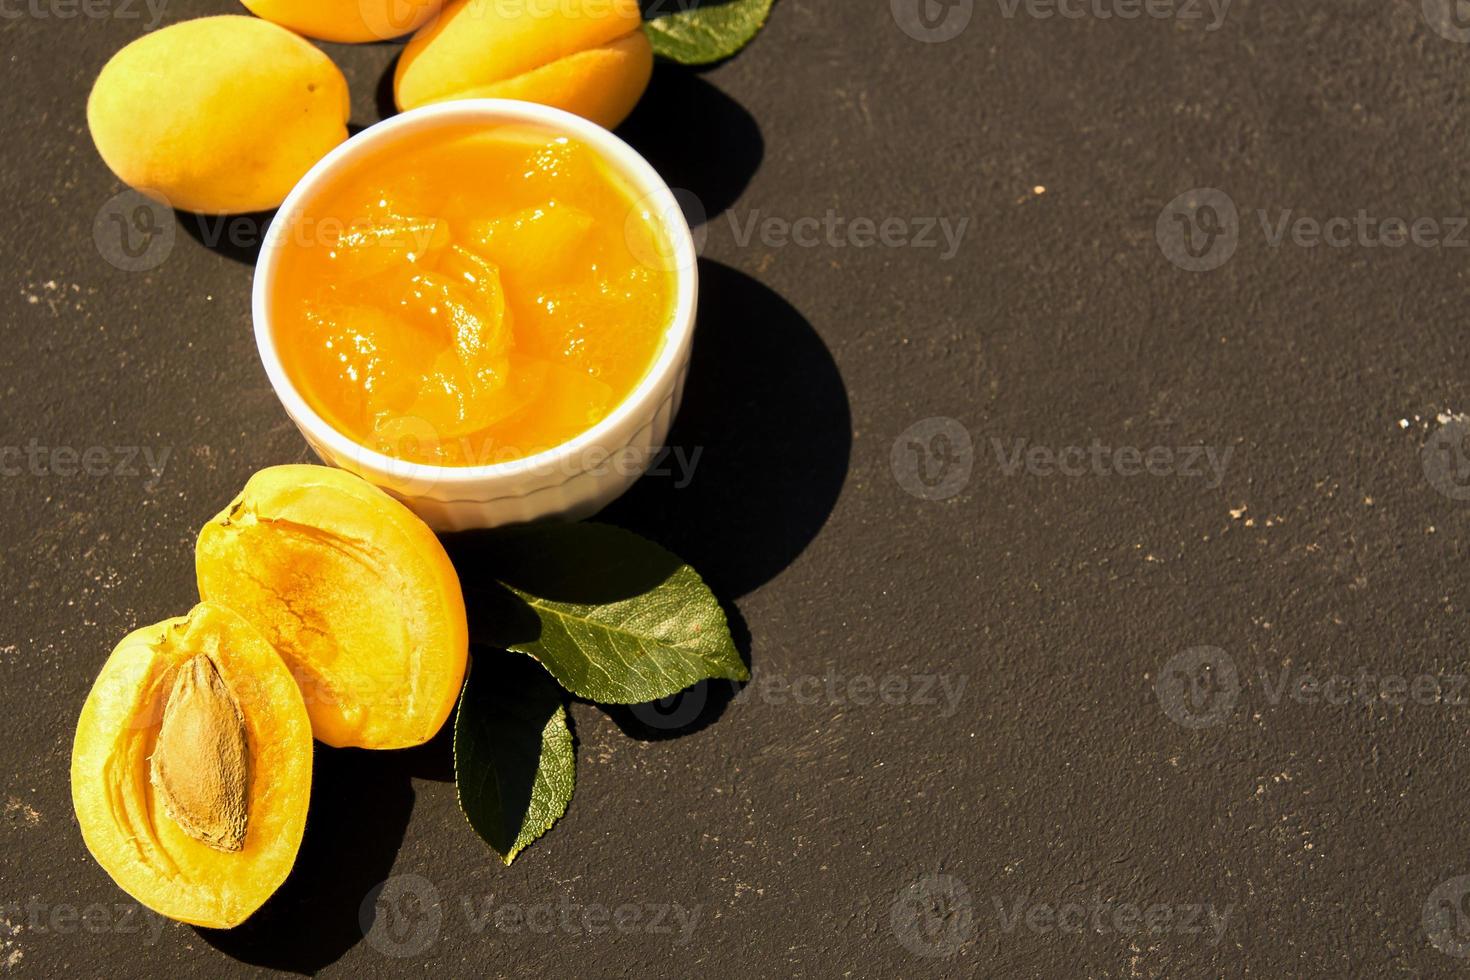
[(18, 809)]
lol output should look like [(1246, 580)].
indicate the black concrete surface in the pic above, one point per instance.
[(1067, 717)]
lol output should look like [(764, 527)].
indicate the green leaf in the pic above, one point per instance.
[(699, 32), (615, 618), (513, 758)]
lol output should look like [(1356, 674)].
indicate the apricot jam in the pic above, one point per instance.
[(474, 298)]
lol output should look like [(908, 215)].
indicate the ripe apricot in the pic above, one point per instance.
[(191, 769), (347, 21), (218, 115), (590, 57), (355, 592)]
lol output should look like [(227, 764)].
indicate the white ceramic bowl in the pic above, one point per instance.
[(573, 480)]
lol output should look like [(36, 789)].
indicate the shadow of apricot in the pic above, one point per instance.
[(383, 99), (237, 237), (360, 806), (698, 138)]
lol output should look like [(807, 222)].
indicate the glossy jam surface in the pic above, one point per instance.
[(474, 298)]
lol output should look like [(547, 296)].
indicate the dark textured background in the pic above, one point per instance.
[(796, 826)]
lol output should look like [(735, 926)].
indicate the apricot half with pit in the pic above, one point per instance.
[(590, 57), (191, 769), (355, 592)]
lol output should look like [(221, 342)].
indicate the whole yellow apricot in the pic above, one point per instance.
[(347, 21), (219, 115), (586, 56)]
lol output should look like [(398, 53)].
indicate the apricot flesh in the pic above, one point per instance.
[(590, 57), (218, 115), (347, 21), (126, 819), (355, 592)]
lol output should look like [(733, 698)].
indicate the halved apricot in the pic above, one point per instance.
[(590, 57), (355, 592), (191, 769)]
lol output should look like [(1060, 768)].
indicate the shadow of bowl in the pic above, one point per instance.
[(760, 449), (699, 139)]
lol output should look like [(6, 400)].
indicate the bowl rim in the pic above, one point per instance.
[(651, 190)]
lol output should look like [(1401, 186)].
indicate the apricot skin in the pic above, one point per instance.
[(589, 57), (356, 593), (220, 115), (123, 820), (347, 21)]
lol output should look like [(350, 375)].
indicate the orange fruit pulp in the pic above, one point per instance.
[(473, 298)]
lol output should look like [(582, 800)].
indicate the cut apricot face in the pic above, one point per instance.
[(191, 769), (355, 592)]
